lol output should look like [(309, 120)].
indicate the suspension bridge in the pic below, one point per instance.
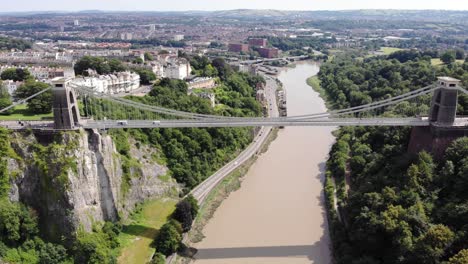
[(82, 107)]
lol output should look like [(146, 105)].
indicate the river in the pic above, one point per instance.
[(278, 215)]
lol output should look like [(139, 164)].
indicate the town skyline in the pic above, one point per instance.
[(208, 5)]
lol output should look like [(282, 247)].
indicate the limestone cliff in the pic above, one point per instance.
[(75, 179)]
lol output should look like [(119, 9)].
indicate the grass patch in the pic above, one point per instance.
[(314, 82), (438, 62), (389, 50), (138, 233), (165, 178), (20, 112)]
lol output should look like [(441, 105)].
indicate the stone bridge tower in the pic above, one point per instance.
[(444, 102), (442, 130), (65, 106)]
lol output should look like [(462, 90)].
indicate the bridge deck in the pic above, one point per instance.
[(256, 123), (241, 122)]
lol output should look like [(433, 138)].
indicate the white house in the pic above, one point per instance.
[(177, 69), (121, 82)]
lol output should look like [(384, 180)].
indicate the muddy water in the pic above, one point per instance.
[(278, 216)]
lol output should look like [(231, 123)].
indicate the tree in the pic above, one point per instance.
[(5, 99), (183, 214), (168, 240), (448, 57), (459, 258), (52, 254), (146, 76), (92, 248), (224, 70), (17, 223), (431, 246), (94, 63), (16, 74), (193, 205), (459, 54), (158, 258), (138, 61), (148, 56), (41, 104), (98, 64), (116, 65)]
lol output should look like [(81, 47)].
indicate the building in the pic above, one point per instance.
[(126, 36), (121, 82), (258, 42), (152, 27), (178, 37), (76, 23), (177, 69), (238, 47), (268, 52), (201, 83), (11, 86), (45, 73)]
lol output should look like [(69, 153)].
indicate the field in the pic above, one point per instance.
[(20, 113), (388, 50), (138, 234), (437, 62)]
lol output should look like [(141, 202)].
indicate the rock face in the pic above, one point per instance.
[(76, 179)]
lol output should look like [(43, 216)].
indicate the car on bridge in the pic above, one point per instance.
[(157, 122), (122, 122)]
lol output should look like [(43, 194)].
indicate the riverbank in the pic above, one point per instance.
[(314, 82), (278, 215)]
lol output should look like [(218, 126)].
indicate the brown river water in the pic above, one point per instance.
[(278, 215)]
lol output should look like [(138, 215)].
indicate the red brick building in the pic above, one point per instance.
[(238, 47), (258, 42), (268, 52)]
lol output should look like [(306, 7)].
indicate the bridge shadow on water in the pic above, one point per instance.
[(312, 252)]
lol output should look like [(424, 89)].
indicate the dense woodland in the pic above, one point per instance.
[(400, 208)]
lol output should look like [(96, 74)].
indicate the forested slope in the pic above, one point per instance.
[(393, 207)]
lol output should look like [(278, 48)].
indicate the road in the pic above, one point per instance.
[(203, 189)]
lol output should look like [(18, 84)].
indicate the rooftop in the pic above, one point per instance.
[(447, 79)]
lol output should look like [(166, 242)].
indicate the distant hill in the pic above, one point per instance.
[(460, 17)]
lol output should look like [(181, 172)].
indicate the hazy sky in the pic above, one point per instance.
[(165, 5)]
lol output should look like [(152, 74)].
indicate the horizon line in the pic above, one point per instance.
[(221, 10)]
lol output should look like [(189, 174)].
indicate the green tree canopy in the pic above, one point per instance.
[(146, 76), (183, 214), (448, 57), (41, 104), (98, 64), (16, 74), (168, 240)]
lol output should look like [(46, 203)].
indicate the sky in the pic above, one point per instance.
[(182, 5)]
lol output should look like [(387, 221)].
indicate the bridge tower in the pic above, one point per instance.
[(65, 107), (442, 130), (444, 101)]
